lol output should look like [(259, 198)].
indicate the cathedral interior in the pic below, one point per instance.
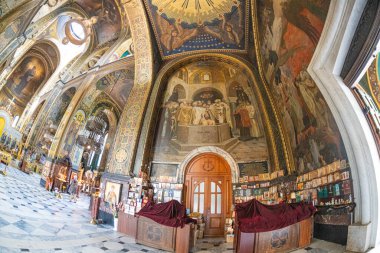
[(190, 126)]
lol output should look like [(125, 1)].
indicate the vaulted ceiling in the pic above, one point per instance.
[(186, 26)]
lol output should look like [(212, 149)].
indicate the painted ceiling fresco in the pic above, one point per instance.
[(288, 33), (183, 26), (117, 85), (109, 20)]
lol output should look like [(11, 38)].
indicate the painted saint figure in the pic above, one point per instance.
[(243, 122), (111, 196), (255, 129), (24, 79)]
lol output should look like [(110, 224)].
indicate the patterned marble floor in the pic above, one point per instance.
[(33, 220)]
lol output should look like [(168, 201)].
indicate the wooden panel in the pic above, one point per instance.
[(208, 164), (215, 222), (245, 242), (306, 232), (183, 238), (298, 235), (152, 234), (279, 240), (127, 224)]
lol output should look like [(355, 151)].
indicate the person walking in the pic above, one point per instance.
[(73, 189)]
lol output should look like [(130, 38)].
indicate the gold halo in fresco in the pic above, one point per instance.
[(194, 11)]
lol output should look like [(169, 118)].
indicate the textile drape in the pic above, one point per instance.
[(171, 214), (254, 217)]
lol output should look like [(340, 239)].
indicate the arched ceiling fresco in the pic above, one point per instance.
[(186, 26), (117, 85), (108, 25)]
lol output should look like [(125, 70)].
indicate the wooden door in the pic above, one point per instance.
[(208, 183)]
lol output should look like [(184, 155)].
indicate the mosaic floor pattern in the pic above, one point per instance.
[(33, 220)]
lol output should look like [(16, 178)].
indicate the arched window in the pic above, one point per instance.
[(15, 120)]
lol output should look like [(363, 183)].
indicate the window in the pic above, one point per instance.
[(77, 30), (15, 120)]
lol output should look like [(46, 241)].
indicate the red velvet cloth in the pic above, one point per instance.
[(253, 216), (171, 214)]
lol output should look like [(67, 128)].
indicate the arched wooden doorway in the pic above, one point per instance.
[(209, 191)]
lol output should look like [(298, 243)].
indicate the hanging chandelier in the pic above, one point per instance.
[(92, 137)]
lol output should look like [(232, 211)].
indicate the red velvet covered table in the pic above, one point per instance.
[(165, 226), (263, 228)]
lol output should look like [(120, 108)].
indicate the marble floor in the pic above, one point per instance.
[(34, 220)]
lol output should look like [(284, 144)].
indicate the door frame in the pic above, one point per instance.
[(227, 180)]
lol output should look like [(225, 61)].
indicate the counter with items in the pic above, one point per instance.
[(165, 226)]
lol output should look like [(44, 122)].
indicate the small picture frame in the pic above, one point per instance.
[(112, 193)]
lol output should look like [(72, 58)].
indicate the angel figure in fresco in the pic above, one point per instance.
[(173, 36), (229, 31)]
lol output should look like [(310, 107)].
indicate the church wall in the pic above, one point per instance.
[(288, 34)]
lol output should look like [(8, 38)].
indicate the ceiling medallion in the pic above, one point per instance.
[(195, 11)]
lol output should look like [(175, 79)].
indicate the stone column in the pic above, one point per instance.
[(132, 117)]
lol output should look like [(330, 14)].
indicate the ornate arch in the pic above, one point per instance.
[(235, 172)]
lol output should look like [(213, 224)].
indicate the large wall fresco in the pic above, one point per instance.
[(288, 32), (209, 104), (184, 26), (23, 83), (109, 21)]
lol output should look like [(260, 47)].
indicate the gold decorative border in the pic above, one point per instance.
[(289, 159), (377, 79), (172, 56)]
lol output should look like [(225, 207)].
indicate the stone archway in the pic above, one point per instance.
[(361, 149), (209, 149)]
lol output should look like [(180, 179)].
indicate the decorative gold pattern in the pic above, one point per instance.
[(132, 116)]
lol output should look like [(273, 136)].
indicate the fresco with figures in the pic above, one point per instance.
[(288, 34), (26, 79), (22, 84), (184, 26), (209, 103)]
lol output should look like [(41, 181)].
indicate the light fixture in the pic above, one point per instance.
[(92, 137)]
